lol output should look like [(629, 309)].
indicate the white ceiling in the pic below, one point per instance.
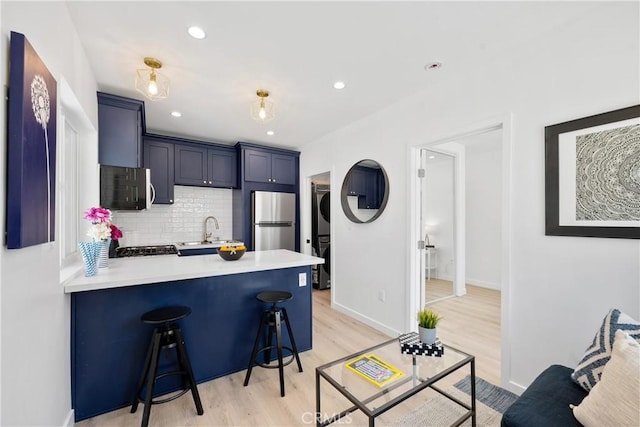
[(296, 50)]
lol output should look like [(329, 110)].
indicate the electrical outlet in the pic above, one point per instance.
[(382, 296), (302, 279)]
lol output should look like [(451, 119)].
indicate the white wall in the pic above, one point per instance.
[(35, 313), (588, 66), (483, 211), (183, 221)]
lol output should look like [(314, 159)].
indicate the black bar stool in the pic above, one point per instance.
[(166, 337), (272, 318)]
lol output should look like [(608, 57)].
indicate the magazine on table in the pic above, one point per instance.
[(374, 369)]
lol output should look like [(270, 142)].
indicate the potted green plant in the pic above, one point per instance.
[(427, 322)]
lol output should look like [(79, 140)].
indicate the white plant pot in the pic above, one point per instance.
[(427, 336)]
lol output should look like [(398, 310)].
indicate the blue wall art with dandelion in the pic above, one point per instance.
[(31, 148)]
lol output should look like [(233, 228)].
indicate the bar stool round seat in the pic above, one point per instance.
[(166, 335), (270, 323), (165, 314), (274, 297)]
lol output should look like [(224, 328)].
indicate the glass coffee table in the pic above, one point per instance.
[(370, 397)]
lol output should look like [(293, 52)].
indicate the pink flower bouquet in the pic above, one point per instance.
[(116, 233), (97, 215), (101, 227)]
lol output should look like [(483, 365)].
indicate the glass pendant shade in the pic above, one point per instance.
[(149, 82), (262, 110)]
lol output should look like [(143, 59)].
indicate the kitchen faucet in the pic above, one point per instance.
[(207, 233)]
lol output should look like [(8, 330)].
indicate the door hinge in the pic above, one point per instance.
[(420, 244), (421, 173)]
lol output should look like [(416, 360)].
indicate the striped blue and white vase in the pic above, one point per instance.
[(103, 259), (90, 252)]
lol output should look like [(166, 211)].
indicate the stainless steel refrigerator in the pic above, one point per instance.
[(273, 220)]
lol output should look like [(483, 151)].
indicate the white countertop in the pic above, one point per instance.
[(165, 268)]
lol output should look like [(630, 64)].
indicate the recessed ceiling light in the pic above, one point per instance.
[(176, 114), (339, 85), (270, 133), (196, 32), (432, 157), (433, 65)]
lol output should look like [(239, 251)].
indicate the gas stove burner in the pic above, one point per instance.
[(129, 251)]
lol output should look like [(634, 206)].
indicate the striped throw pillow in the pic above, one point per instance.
[(615, 400), (589, 369)]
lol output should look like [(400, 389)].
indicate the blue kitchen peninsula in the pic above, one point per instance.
[(109, 342)]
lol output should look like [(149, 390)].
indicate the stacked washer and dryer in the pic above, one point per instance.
[(321, 234)]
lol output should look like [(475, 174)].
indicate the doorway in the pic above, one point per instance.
[(481, 233), (462, 215), (321, 229)]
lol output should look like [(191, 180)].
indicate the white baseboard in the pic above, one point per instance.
[(69, 420), (514, 387), (474, 282), (483, 283), (367, 320)]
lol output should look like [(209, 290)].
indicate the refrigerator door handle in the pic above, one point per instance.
[(275, 224)]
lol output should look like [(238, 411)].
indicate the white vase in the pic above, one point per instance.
[(427, 336), (103, 258)]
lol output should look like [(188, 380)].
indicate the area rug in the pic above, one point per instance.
[(491, 395), (491, 402)]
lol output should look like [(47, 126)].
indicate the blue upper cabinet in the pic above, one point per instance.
[(270, 167), (191, 165), (283, 169), (120, 129), (222, 167), (159, 158), (257, 166), (203, 166)]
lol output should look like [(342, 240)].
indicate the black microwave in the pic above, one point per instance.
[(123, 188)]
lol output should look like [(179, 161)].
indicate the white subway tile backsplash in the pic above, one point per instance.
[(182, 221)]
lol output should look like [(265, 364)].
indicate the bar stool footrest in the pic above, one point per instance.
[(268, 365), (178, 394)]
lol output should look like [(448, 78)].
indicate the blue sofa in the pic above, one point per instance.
[(546, 401)]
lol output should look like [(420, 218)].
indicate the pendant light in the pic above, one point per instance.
[(150, 82), (262, 110)]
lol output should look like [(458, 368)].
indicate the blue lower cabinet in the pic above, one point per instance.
[(109, 341)]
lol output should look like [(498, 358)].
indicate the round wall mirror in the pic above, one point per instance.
[(365, 191)]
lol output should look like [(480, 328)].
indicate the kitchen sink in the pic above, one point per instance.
[(202, 247), (215, 243), (190, 243)]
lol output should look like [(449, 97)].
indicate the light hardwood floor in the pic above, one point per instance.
[(471, 323), (436, 289)]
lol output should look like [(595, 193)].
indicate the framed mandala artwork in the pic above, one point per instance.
[(592, 176), (31, 156)]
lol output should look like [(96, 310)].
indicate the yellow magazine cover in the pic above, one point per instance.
[(374, 369)]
